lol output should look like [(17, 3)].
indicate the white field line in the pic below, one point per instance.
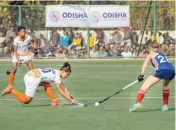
[(90, 98)]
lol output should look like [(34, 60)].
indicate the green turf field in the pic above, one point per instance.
[(89, 82)]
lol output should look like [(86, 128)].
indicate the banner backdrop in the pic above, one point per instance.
[(87, 16)]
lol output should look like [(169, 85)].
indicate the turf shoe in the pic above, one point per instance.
[(165, 108), (135, 107)]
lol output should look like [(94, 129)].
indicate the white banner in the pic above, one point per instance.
[(87, 16)]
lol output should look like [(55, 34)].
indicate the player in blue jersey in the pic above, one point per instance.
[(164, 70)]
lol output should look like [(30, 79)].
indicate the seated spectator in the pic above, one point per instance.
[(102, 52), (83, 53), (126, 53), (64, 40), (143, 53), (74, 53), (94, 52), (164, 48), (111, 51), (120, 51), (171, 50)]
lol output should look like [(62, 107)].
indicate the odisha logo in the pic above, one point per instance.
[(95, 17), (54, 16)]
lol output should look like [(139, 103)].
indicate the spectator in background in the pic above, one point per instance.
[(92, 40), (77, 40), (164, 48), (143, 53), (102, 52), (134, 36), (166, 37), (148, 33), (94, 52), (83, 53), (11, 33), (157, 37), (82, 40), (71, 35), (55, 38), (134, 52), (2, 39), (127, 35), (99, 35), (171, 50), (74, 53), (7, 46), (115, 36), (144, 38), (3, 30), (64, 40), (111, 51), (33, 35), (126, 53), (42, 45)]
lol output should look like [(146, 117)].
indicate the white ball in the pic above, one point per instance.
[(97, 104)]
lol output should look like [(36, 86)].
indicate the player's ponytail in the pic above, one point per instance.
[(66, 67)]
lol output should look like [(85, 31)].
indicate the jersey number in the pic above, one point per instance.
[(163, 59), (46, 70)]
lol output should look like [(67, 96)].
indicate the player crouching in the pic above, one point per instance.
[(44, 76)]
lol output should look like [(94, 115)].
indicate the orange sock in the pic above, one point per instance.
[(50, 93), (11, 78), (19, 96)]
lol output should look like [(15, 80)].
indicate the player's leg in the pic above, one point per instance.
[(166, 92), (30, 65), (51, 95), (22, 98), (149, 82), (12, 75)]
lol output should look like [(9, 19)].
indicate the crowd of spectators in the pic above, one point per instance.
[(66, 43)]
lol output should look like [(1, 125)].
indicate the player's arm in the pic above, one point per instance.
[(15, 47), (144, 66), (15, 50), (64, 92)]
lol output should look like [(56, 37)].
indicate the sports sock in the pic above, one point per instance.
[(166, 92), (19, 96), (11, 78), (50, 93), (140, 96)]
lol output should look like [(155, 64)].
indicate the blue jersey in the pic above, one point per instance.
[(161, 62)]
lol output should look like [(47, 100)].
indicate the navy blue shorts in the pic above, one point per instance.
[(164, 74)]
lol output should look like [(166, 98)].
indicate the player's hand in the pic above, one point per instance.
[(140, 77), (73, 101)]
